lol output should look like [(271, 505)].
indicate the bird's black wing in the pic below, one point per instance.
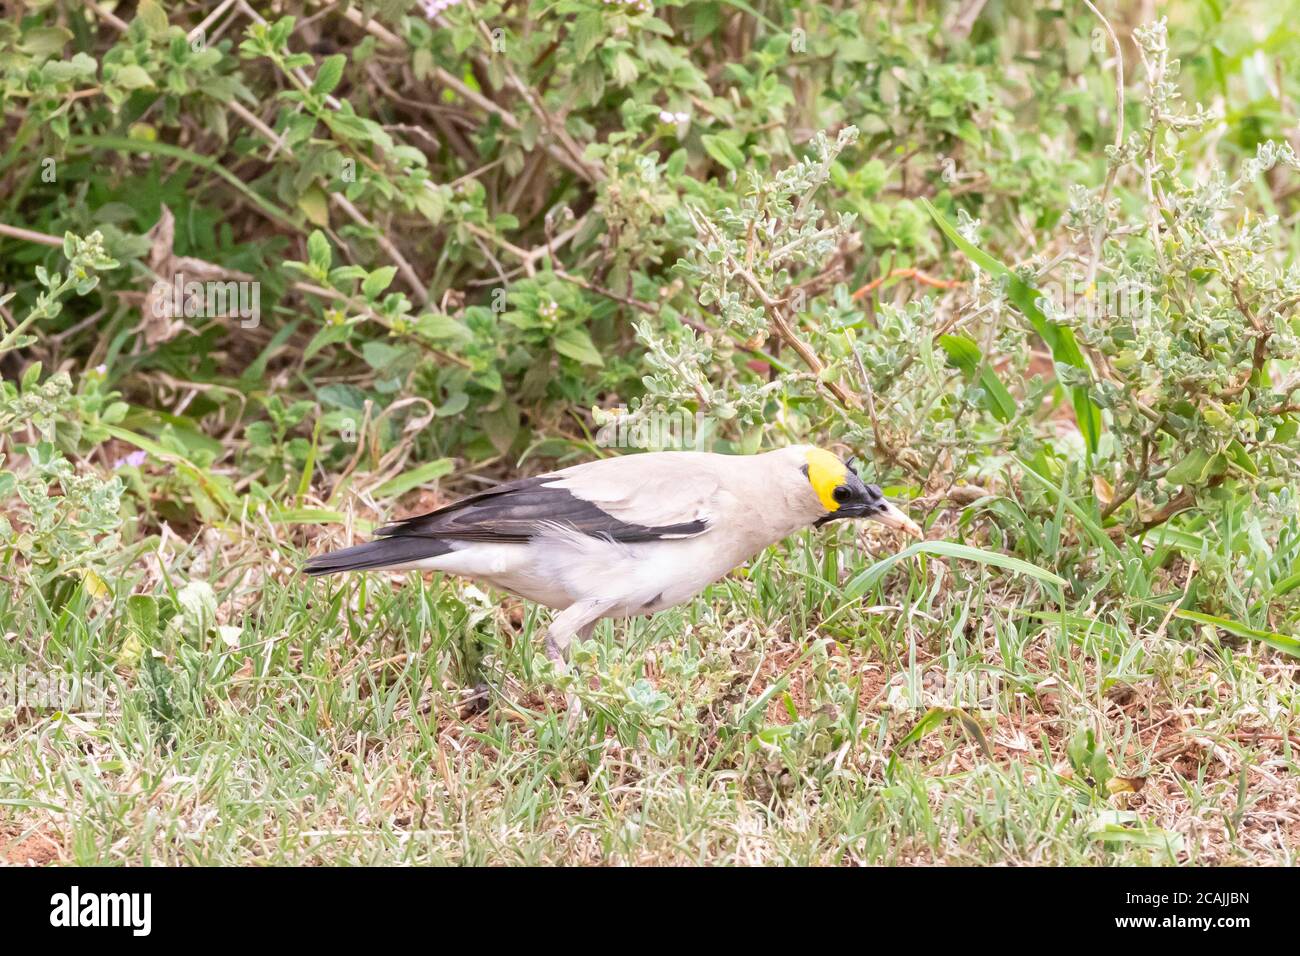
[(524, 509)]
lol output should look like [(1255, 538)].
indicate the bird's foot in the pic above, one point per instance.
[(476, 701), (573, 713), (572, 702)]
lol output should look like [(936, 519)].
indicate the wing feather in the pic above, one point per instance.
[(606, 499)]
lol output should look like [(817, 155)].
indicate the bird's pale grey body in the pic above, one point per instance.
[(560, 567), (623, 536)]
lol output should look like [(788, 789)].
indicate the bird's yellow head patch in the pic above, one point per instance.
[(825, 474)]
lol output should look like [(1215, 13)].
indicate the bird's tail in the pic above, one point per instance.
[(384, 553)]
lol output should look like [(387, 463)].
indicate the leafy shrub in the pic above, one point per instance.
[(480, 232)]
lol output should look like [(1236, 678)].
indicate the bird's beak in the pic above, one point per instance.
[(894, 518)]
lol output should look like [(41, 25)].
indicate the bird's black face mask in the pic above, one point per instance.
[(856, 499)]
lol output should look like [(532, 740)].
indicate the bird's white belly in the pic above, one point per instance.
[(510, 567), (561, 569)]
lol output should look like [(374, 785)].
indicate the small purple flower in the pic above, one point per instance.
[(133, 460), (433, 8)]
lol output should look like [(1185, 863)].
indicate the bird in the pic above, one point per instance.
[(623, 536)]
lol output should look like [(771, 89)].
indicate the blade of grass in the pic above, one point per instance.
[(1060, 340), (1284, 643), (935, 717), (429, 471), (1095, 530), (949, 549), (313, 516)]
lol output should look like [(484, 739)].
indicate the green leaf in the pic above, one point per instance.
[(315, 205), (430, 471), (577, 345), (723, 151), (1192, 469), (318, 251), (216, 487), (38, 804), (327, 336), (381, 355), (966, 355), (378, 281), (1238, 455), (133, 77), (432, 203), (1077, 624), (962, 351), (44, 41), (1059, 339), (588, 30), (339, 395), (31, 378), (151, 14), (198, 606), (1124, 826), (624, 69), (142, 612), (346, 274), (1176, 538), (501, 426), (329, 74), (438, 327), (422, 63), (456, 403)]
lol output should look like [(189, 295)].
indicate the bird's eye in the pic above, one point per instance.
[(842, 494)]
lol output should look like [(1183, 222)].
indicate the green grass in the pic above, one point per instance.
[(471, 255), (777, 719)]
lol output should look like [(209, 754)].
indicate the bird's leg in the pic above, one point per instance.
[(557, 649), (574, 703), (577, 619)]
